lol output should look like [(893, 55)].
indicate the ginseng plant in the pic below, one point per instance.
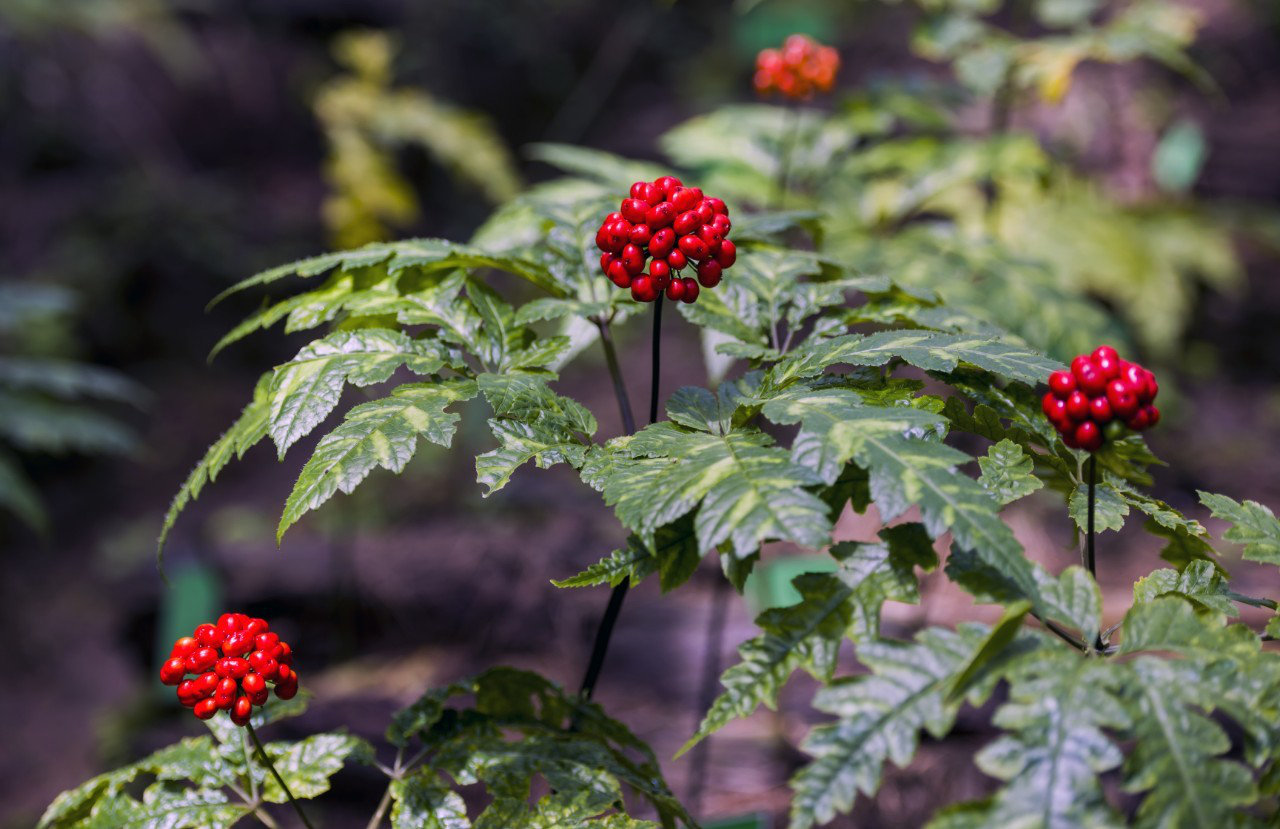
[(849, 392)]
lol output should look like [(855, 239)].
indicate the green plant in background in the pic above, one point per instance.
[(366, 120), (881, 344), (49, 404)]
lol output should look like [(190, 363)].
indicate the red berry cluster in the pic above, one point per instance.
[(233, 661), (796, 70), (1100, 388), (673, 224)]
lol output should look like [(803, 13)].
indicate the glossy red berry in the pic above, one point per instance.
[(1099, 389), (289, 689), (640, 234), (208, 636), (662, 243), (201, 660), (643, 289), (690, 290), (241, 711), (205, 708), (666, 184), (1089, 436), (675, 290), (224, 669), (632, 260), (184, 646), (709, 273), (694, 248), (1077, 405), (727, 255), (1122, 399), (677, 260), (1100, 410), (660, 215), (686, 223), (1062, 383)]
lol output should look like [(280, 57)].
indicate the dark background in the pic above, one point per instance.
[(151, 154)]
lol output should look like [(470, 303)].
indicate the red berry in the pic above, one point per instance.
[(1092, 382), (721, 222), (199, 661), (208, 636), (728, 254), (187, 694), (287, 690), (1062, 383), (205, 708), (659, 269), (237, 644), (640, 234), (686, 223), (266, 641), (608, 220), (184, 646), (1077, 406), (259, 697), (667, 184), (206, 683), (705, 214), (253, 683), (690, 290), (1053, 407), (1069, 438), (637, 190), (709, 273), (173, 671), (634, 210), (1089, 436), (1105, 352), (233, 667), (1100, 410), (229, 622), (619, 274), (1122, 399), (642, 289), (1108, 364), (652, 194), (1133, 374), (241, 711), (604, 239), (633, 261), (1081, 364), (1140, 419), (677, 260), (1153, 416), (606, 259), (675, 290), (286, 653), (685, 198), (693, 247), (662, 243), (718, 206), (660, 215), (1150, 389)]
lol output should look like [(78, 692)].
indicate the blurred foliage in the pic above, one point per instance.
[(366, 121), (47, 402)]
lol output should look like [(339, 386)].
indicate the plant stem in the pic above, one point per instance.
[(707, 694), (1090, 561), (383, 805), (605, 630), (615, 373), (788, 148), (262, 752)]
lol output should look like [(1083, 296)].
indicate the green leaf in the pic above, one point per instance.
[(1200, 582), (423, 801), (68, 380), (1256, 526), (746, 489), (807, 634), (250, 428), (383, 433), (1110, 507), (18, 494), (879, 716), (836, 425), (674, 555), (307, 765), (931, 351), (1007, 472), (41, 425), (306, 389), (533, 424), (992, 648), (1059, 704), (597, 165)]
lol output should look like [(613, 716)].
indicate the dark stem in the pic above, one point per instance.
[(605, 631), (707, 693), (615, 373), (262, 752), (1089, 560), (784, 174)]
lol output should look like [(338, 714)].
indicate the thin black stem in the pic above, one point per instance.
[(707, 693), (262, 752), (1090, 562), (605, 631), (615, 372)]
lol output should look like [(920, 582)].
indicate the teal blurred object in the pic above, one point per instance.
[(759, 820), (194, 596), (1179, 157), (769, 584), (760, 25)]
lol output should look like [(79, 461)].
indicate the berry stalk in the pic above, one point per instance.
[(1089, 559), (605, 631), (262, 752)]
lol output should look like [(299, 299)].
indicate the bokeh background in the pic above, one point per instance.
[(151, 153)]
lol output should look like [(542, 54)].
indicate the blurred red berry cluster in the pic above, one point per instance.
[(1100, 389), (232, 662), (801, 67), (674, 225)]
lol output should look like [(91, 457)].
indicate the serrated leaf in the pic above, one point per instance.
[(383, 433), (1200, 582), (1255, 526), (1007, 472), (597, 165), (1110, 507), (879, 716), (1059, 704), (306, 389), (746, 489), (836, 425), (807, 635), (533, 424), (307, 765), (931, 351), (423, 801), (250, 428), (39, 424), (674, 555)]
